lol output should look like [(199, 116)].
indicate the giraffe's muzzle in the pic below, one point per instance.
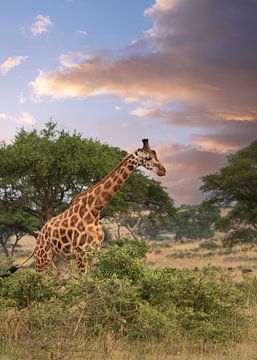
[(161, 171)]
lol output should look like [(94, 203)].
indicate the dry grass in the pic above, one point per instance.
[(179, 255), (190, 255)]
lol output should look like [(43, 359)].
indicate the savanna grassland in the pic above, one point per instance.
[(168, 300)]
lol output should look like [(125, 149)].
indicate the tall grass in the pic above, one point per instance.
[(124, 310)]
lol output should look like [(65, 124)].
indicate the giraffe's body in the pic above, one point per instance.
[(75, 231)]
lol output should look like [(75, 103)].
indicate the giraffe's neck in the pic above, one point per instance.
[(100, 196)]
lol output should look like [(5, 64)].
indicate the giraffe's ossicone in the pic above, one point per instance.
[(77, 230)]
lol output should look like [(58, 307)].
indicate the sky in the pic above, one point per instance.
[(182, 73)]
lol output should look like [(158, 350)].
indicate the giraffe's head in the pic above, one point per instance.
[(148, 159)]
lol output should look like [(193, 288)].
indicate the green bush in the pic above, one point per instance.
[(121, 296), (24, 287), (120, 261), (135, 248)]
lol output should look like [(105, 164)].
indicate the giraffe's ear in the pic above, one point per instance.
[(146, 145)]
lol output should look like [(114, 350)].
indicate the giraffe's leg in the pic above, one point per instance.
[(82, 261), (43, 260), (62, 265)]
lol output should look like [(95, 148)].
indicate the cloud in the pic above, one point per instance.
[(185, 165), (82, 32), (196, 58), (24, 118), (194, 69), (27, 118), (41, 25), (4, 116), (10, 63), (223, 132)]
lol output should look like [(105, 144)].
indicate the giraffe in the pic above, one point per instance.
[(76, 231)]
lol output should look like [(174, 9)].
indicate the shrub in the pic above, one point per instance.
[(207, 305), (121, 296), (135, 248), (120, 261), (209, 245), (25, 287)]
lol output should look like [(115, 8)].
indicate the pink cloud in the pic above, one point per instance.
[(198, 54), (185, 166)]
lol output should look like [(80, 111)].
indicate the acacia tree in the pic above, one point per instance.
[(42, 171), (235, 186), (148, 206), (195, 222)]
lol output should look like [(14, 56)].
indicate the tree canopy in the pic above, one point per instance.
[(42, 171), (235, 186), (195, 222)]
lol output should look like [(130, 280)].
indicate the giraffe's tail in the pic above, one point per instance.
[(12, 269)]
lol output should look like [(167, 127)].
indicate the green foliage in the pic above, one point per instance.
[(24, 288), (195, 222), (123, 297), (42, 171), (122, 262), (240, 236), (149, 208), (235, 185), (136, 248)]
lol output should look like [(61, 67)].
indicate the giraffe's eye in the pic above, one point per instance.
[(148, 158)]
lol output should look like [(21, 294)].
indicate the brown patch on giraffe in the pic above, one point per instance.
[(62, 231), (83, 240), (89, 218), (108, 184), (125, 175), (73, 220), (55, 233), (116, 188), (119, 181), (106, 196), (84, 201), (65, 240), (90, 228), (65, 223), (81, 211), (95, 213), (81, 226), (130, 167), (90, 239), (67, 248), (57, 223), (98, 203), (75, 235), (70, 212), (76, 209), (90, 199), (59, 245), (69, 234)]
